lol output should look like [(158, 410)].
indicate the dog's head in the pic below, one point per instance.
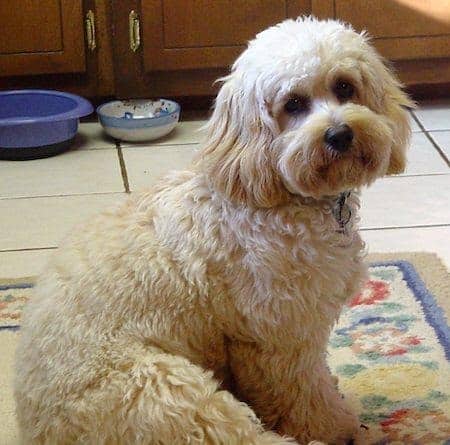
[(308, 109)]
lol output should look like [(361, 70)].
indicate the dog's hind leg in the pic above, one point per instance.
[(168, 400), (154, 398)]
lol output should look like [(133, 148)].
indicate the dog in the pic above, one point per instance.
[(199, 312)]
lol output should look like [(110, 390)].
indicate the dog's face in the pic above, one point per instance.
[(309, 109)]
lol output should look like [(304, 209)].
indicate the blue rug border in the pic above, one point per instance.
[(16, 286), (434, 314), (13, 327)]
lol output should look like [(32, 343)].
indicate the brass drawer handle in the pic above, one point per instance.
[(134, 30), (90, 30)]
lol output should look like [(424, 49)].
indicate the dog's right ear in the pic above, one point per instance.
[(236, 156)]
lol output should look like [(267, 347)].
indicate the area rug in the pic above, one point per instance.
[(390, 350)]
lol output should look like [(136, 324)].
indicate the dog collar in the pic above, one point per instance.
[(342, 211)]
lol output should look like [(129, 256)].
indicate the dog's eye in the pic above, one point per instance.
[(296, 105), (343, 90)]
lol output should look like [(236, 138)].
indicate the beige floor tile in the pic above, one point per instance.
[(145, 165), (425, 239), (434, 115), (188, 132), (9, 433), (442, 138), (423, 158), (91, 136), (42, 222), (406, 201), (7, 347), (10, 436), (73, 172), (25, 263)]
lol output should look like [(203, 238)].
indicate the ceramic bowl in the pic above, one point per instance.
[(139, 119)]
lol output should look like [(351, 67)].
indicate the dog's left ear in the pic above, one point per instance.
[(386, 96), (397, 103), (237, 158)]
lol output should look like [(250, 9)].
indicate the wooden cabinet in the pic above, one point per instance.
[(182, 46), (44, 36), (413, 29), (186, 45), (43, 44), (414, 34), (196, 34)]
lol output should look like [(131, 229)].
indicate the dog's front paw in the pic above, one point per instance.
[(360, 437), (349, 431)]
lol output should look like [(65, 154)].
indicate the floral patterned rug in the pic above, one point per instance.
[(390, 350)]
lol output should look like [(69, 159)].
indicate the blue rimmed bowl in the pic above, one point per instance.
[(38, 123), (139, 119)]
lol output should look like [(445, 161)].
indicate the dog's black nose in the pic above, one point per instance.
[(339, 138)]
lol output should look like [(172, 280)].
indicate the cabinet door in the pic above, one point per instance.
[(41, 36), (201, 33), (401, 29), (187, 44)]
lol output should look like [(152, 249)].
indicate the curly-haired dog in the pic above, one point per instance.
[(199, 312)]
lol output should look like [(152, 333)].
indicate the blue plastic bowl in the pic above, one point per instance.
[(38, 123)]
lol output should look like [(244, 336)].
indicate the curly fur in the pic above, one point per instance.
[(199, 312)]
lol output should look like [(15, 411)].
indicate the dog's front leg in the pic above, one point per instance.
[(322, 410), (293, 393)]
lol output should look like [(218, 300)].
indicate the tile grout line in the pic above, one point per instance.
[(417, 226), (28, 249), (368, 229), (119, 192), (123, 169), (142, 145), (67, 195), (433, 131), (439, 149), (432, 141), (413, 175)]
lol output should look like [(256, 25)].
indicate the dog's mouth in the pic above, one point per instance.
[(355, 153), (318, 171), (357, 166), (343, 169)]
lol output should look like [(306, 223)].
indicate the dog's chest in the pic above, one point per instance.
[(305, 263), (295, 270)]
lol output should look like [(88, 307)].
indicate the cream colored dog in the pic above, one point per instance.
[(199, 312)]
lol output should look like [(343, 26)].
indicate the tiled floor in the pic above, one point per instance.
[(42, 200)]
